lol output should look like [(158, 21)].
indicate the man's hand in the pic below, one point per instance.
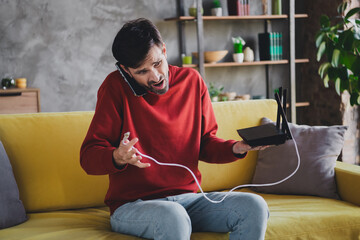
[(126, 154), (241, 147)]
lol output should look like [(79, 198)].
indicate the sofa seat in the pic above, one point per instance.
[(291, 217), (306, 217)]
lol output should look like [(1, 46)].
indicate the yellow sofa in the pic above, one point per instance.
[(63, 202)]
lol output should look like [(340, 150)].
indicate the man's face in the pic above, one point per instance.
[(153, 74)]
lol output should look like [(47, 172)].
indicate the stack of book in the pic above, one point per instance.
[(270, 46), (238, 7)]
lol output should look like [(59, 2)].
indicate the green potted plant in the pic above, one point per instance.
[(339, 44), (7, 83), (214, 92), (216, 9), (238, 54)]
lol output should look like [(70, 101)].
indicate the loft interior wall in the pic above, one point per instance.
[(64, 47)]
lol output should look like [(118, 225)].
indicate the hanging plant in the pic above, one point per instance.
[(339, 45)]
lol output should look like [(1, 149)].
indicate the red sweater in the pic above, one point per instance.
[(176, 127)]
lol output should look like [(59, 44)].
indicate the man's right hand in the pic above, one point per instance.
[(126, 153)]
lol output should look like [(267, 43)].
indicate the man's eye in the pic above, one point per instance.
[(157, 64)]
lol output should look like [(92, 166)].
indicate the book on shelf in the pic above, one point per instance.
[(270, 46), (238, 7)]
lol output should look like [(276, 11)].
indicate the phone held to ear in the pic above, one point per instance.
[(135, 87)]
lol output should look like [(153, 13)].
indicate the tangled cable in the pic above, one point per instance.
[(126, 136)]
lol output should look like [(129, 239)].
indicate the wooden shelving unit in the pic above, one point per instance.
[(250, 17), (255, 63), (292, 61)]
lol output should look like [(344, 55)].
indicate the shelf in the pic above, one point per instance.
[(249, 17), (300, 104), (255, 63), (303, 15), (304, 60)]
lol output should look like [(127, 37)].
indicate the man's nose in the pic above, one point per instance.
[(155, 75)]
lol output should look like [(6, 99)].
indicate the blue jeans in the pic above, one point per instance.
[(244, 215)]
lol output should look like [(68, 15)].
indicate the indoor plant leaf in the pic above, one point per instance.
[(324, 21), (324, 68), (354, 99), (333, 73), (354, 83), (335, 58), (337, 85), (352, 12), (343, 73), (356, 46), (319, 38), (344, 83), (348, 59), (355, 67), (346, 39), (341, 8), (326, 81), (321, 50), (330, 46)]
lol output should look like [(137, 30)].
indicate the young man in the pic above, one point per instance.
[(168, 112)]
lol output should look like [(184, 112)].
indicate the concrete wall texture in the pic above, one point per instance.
[(64, 47)]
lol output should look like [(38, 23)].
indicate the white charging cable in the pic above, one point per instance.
[(127, 134)]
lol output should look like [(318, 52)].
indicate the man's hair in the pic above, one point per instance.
[(133, 42)]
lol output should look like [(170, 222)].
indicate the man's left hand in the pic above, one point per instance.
[(241, 147)]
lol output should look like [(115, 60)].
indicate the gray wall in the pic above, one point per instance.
[(64, 47)]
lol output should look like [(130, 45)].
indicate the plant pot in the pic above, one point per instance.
[(215, 99), (216, 12), (238, 57)]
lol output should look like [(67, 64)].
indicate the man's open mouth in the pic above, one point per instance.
[(159, 84)]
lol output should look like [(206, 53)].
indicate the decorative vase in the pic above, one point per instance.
[(21, 82), (238, 57), (276, 7), (248, 55), (193, 10), (186, 59), (216, 12)]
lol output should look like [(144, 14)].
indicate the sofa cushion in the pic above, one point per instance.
[(47, 168), (231, 116), (319, 148), (12, 211)]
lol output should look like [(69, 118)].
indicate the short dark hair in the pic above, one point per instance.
[(134, 40)]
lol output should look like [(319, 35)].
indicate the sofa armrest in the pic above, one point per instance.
[(348, 182)]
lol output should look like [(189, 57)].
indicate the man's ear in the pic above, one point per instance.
[(164, 50), (126, 70)]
